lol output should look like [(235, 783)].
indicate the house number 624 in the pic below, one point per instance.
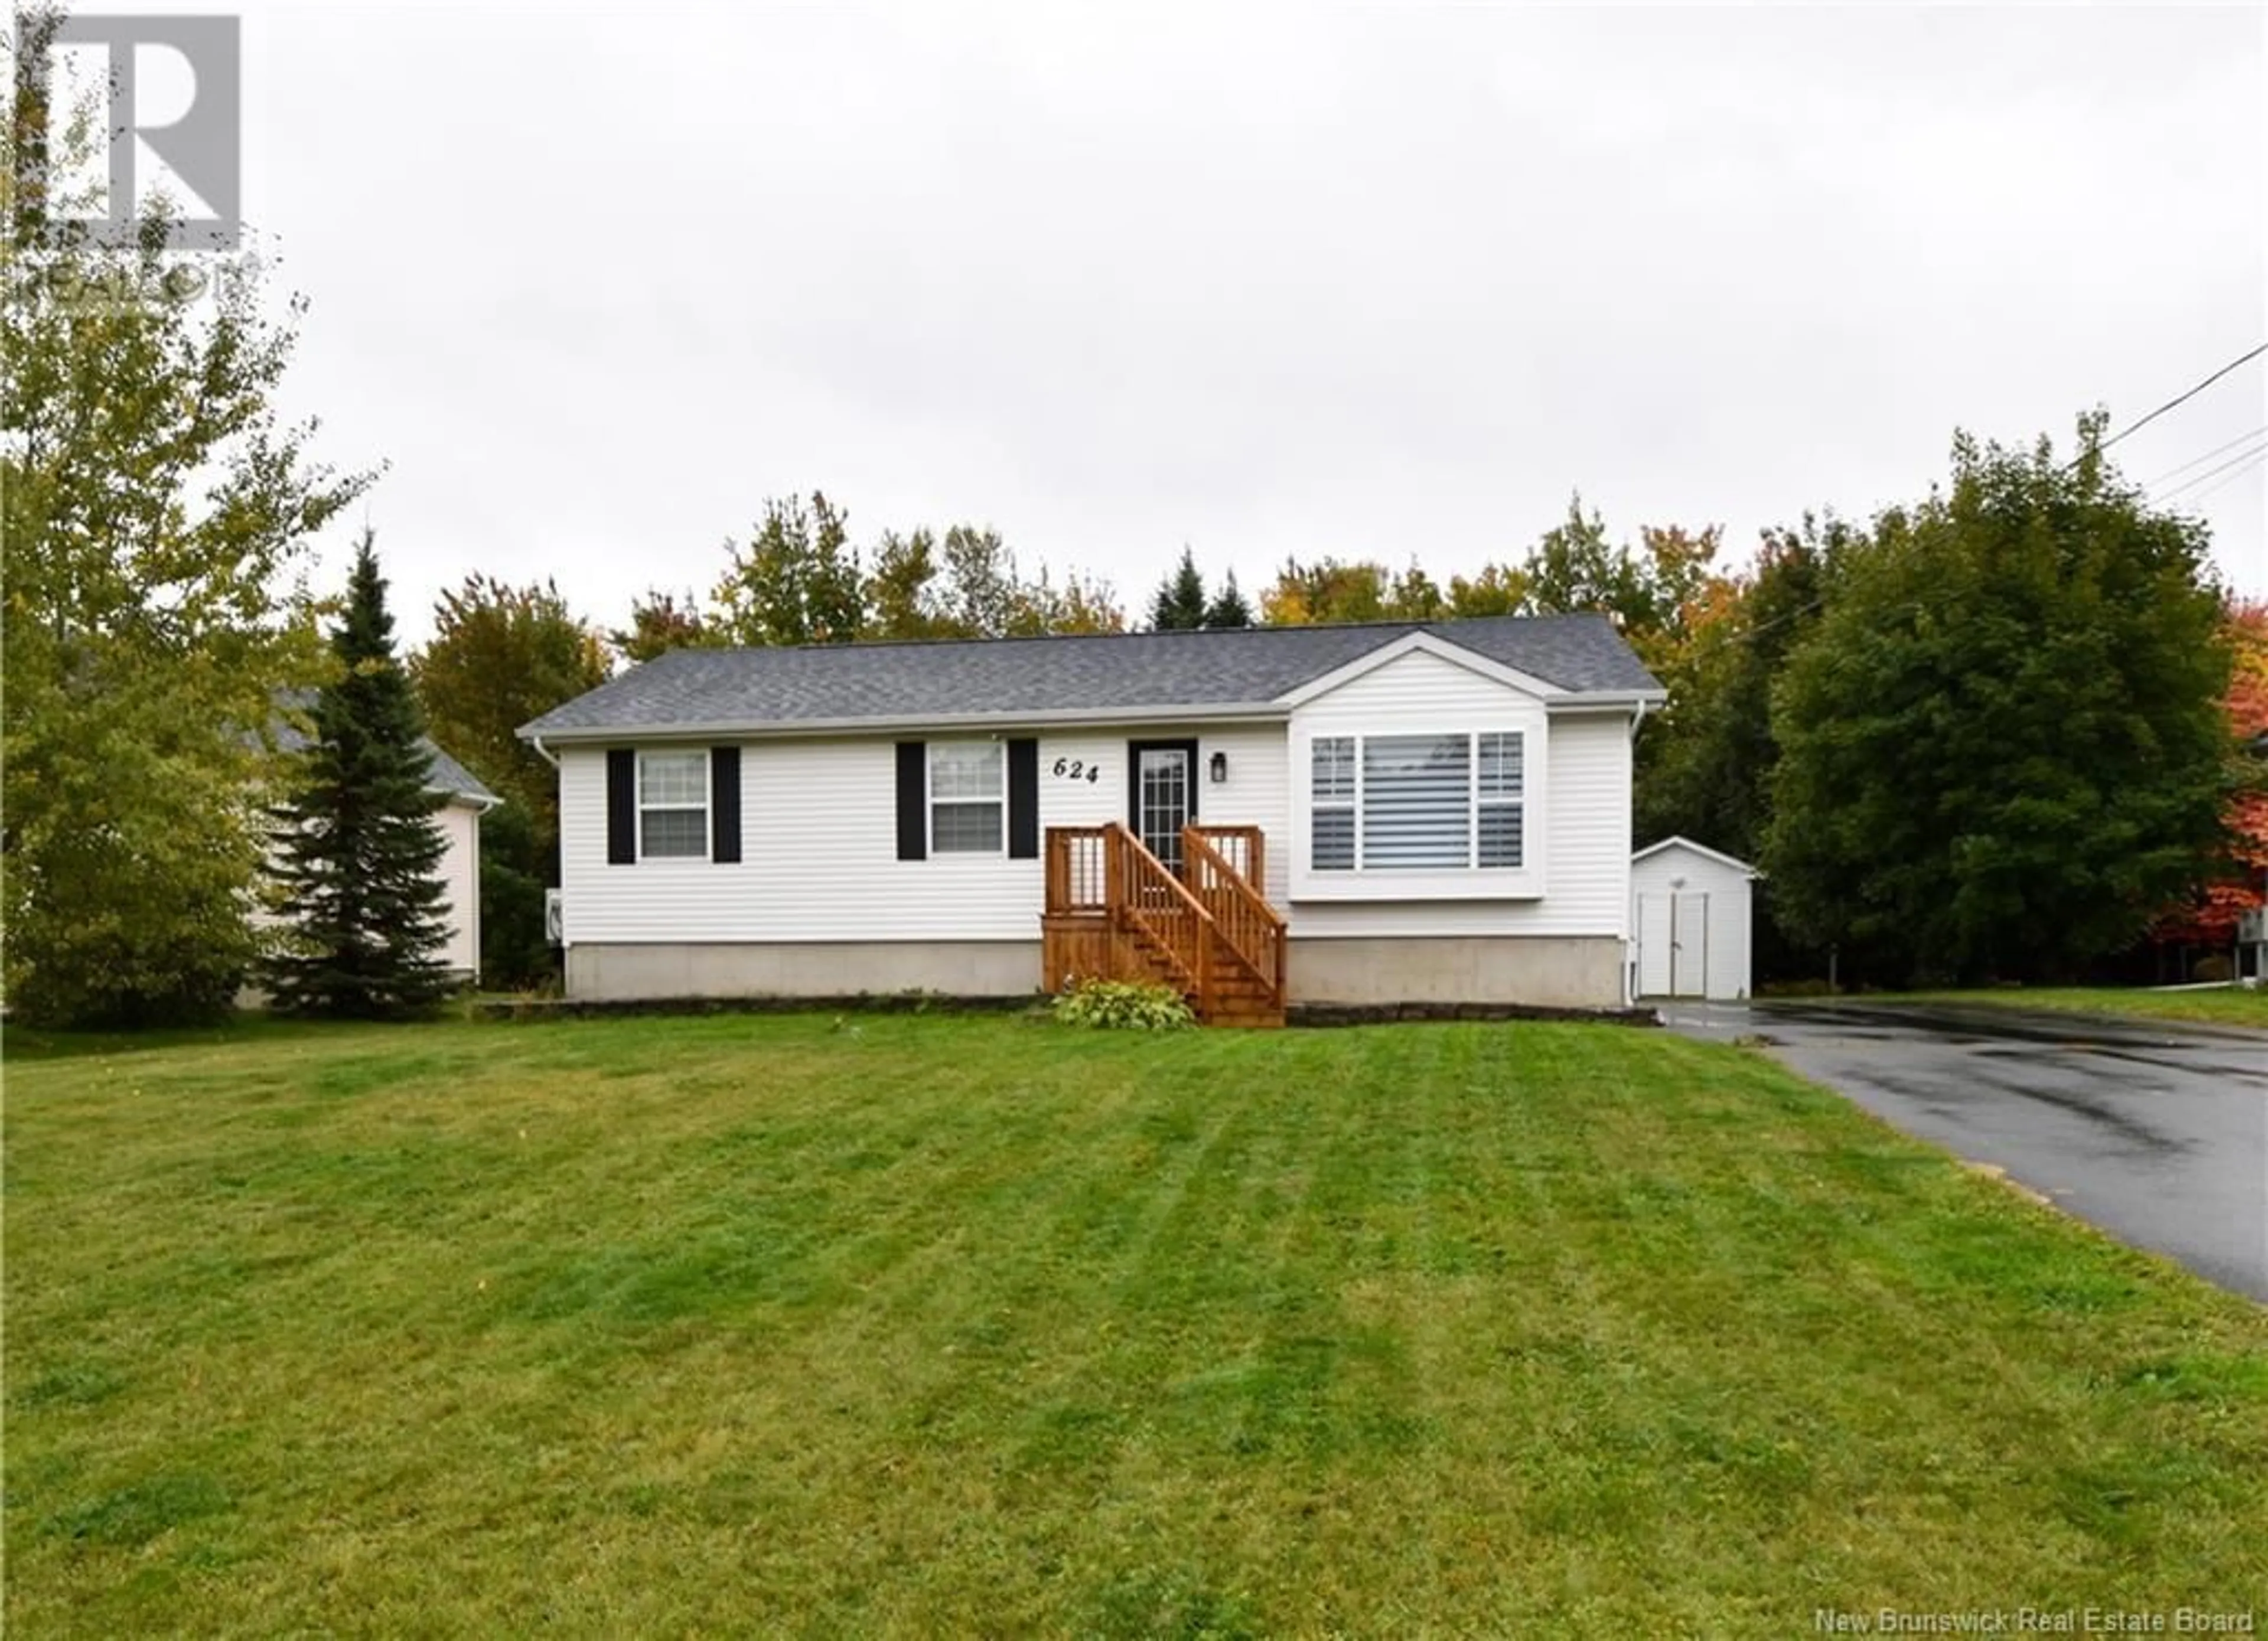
[(1077, 769)]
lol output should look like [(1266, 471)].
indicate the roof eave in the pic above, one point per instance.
[(1678, 840), (1260, 711), (1606, 700)]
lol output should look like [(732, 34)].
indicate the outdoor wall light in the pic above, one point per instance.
[(1219, 768)]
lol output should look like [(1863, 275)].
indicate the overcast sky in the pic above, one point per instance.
[(1380, 282)]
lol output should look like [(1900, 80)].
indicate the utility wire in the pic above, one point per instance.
[(2208, 456), (1783, 619), (2192, 483), (2135, 427), (2249, 462), (2131, 427)]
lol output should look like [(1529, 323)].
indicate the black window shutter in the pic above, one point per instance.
[(913, 800), (1023, 801), (724, 803), (621, 808)]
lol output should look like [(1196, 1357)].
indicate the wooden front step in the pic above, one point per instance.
[(1116, 912)]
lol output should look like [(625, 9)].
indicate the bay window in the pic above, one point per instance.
[(1451, 801)]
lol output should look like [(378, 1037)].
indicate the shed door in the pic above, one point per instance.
[(1673, 946), (1654, 945)]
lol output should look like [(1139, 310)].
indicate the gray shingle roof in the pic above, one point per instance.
[(1003, 678), (454, 778), (448, 775)]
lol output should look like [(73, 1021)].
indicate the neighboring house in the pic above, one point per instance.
[(458, 821), (1437, 811), (1691, 914)]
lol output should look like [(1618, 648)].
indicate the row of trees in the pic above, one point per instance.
[(1180, 603), (797, 579)]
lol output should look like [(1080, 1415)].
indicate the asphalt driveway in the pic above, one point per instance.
[(2157, 1133)]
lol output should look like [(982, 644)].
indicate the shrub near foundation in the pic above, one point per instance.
[(1123, 1006)]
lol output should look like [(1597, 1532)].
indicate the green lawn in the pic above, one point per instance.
[(931, 1325), (2225, 1006)]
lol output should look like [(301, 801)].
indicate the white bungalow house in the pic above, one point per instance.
[(1385, 813), (465, 800)]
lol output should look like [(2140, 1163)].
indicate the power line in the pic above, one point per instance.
[(2208, 456), (2192, 483), (1782, 619), (2238, 464), (2249, 462), (2135, 427)]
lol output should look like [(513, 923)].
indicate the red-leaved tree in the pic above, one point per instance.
[(2211, 920)]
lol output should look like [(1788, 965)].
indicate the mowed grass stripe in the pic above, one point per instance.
[(933, 1325)]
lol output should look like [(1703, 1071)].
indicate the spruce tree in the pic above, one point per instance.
[(358, 856), (1179, 603), (1229, 610)]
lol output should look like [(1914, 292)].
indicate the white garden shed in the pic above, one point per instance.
[(1689, 912)]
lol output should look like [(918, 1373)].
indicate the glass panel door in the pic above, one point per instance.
[(1162, 801)]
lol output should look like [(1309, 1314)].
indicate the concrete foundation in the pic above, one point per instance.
[(967, 968), (1571, 972)]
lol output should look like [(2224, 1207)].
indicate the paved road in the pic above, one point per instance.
[(2156, 1133)]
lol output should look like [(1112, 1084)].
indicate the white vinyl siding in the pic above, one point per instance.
[(460, 826), (1449, 764), (1573, 783), (821, 823), (672, 804), (1578, 844), (967, 797), (822, 853)]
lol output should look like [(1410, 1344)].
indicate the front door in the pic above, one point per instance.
[(1163, 784)]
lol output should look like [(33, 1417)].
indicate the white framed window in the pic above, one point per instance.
[(673, 794), (967, 797), (1500, 801), (1417, 803), (1453, 801), (1332, 804)]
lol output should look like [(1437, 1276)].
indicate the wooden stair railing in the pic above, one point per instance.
[(1078, 870), (1253, 929), (1115, 910), (1152, 901), (1245, 846)]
